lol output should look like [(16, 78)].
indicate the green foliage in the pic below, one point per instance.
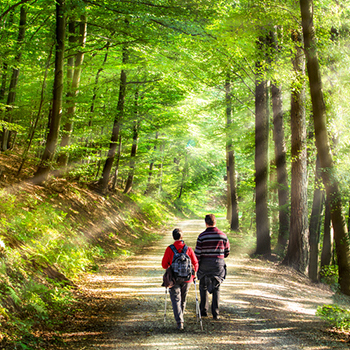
[(336, 316)]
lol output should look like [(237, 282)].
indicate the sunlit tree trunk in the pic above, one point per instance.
[(298, 248), (231, 171), (103, 183), (315, 224), (322, 143), (263, 242), (11, 97), (55, 117)]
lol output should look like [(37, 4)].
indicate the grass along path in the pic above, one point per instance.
[(263, 306)]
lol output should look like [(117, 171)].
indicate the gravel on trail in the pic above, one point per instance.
[(263, 306)]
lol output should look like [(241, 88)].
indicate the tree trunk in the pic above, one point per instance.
[(43, 88), (73, 78), (326, 255), (231, 171), (3, 81), (103, 183), (298, 247), (315, 224), (322, 143), (281, 167), (11, 97), (263, 243), (55, 118), (129, 181), (150, 173)]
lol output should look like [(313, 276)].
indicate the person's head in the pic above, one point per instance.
[(177, 234), (210, 220)]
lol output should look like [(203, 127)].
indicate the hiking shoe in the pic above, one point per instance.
[(180, 326), (216, 317)]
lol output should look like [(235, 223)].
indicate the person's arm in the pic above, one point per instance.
[(227, 248), (194, 259), (167, 258), (198, 250)]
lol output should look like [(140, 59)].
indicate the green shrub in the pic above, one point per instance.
[(335, 316)]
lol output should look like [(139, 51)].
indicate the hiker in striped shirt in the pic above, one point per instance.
[(211, 249)]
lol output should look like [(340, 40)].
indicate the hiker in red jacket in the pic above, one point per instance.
[(178, 292)]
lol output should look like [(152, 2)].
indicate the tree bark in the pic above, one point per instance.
[(55, 118), (281, 166), (263, 242), (231, 171), (103, 183), (315, 224), (298, 247), (326, 254), (322, 143)]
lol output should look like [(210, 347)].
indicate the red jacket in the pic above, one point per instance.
[(169, 254)]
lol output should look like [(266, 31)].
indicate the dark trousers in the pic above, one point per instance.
[(204, 305), (178, 294)]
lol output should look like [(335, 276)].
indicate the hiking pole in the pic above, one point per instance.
[(198, 311), (166, 297)]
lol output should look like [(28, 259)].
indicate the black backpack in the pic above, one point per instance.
[(181, 265)]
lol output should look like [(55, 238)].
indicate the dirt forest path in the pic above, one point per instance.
[(263, 306)]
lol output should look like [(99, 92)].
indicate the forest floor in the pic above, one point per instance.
[(263, 306)]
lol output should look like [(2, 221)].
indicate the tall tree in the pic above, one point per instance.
[(298, 248), (55, 117), (315, 224), (263, 243), (281, 165), (103, 182), (323, 147), (231, 171), (73, 77)]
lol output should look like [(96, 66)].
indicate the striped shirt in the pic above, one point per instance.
[(212, 243)]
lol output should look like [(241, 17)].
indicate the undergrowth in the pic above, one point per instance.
[(336, 316), (42, 254)]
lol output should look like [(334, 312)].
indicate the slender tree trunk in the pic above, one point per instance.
[(298, 247), (150, 173), (43, 88), (281, 166), (315, 224), (11, 97), (322, 143), (231, 171), (3, 81), (327, 249), (129, 181), (94, 96), (73, 77), (103, 183), (116, 171), (55, 118), (263, 243)]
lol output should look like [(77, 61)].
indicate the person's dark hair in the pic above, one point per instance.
[(177, 234), (210, 220)]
